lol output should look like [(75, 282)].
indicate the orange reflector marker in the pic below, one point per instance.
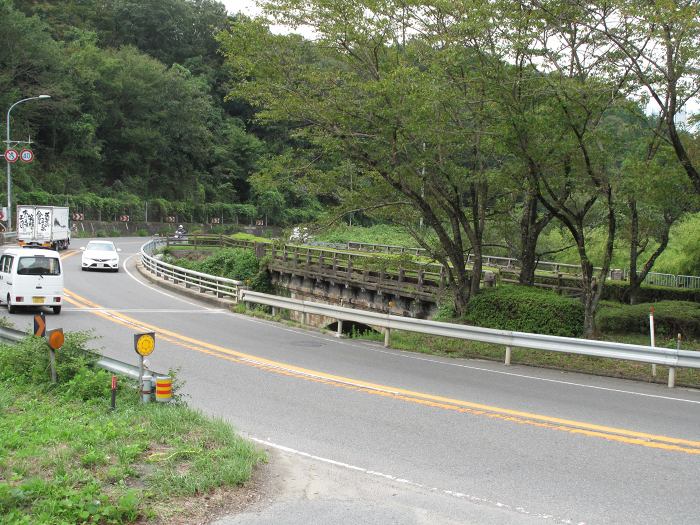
[(55, 338), (164, 389)]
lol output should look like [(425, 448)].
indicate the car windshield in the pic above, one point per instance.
[(38, 265), (101, 246)]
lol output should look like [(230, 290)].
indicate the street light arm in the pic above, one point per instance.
[(15, 104), (9, 144)]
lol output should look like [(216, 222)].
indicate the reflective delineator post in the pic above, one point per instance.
[(146, 388), (114, 392), (164, 389), (508, 355), (653, 338), (339, 333), (387, 337)]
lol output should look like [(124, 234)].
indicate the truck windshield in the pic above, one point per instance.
[(38, 266)]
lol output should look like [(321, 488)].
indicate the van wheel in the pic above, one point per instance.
[(56, 310), (11, 308)]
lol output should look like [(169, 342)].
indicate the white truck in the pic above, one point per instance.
[(43, 226)]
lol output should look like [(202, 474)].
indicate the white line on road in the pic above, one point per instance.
[(156, 289), (396, 479)]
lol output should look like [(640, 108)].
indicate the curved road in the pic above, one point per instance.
[(403, 437)]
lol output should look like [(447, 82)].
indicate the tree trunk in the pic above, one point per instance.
[(633, 289), (637, 278), (528, 240), (475, 281)]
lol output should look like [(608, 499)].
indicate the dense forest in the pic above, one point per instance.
[(526, 128), (138, 111)]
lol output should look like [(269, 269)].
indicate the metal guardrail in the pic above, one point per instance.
[(14, 336), (8, 237), (107, 363), (219, 286), (646, 354)]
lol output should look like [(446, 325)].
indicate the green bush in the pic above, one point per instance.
[(233, 263), (526, 309), (377, 234), (670, 318), (29, 361)]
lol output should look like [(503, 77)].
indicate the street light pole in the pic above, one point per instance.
[(9, 164)]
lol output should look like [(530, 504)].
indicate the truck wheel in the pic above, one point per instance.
[(56, 310), (11, 308)]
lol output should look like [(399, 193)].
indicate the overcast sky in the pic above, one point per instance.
[(246, 6)]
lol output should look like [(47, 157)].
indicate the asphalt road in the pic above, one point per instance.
[(396, 437)]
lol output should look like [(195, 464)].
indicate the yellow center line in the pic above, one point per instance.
[(516, 416)]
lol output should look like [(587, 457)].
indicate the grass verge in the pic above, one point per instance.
[(65, 457)]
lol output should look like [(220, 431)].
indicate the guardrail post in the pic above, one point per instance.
[(387, 337), (146, 388), (508, 355), (339, 333), (671, 369)]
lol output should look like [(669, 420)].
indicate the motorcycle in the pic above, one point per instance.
[(180, 233)]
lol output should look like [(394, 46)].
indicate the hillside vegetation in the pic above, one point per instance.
[(65, 457)]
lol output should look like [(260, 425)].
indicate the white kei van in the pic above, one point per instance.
[(31, 277)]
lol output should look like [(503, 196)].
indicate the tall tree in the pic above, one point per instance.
[(395, 105)]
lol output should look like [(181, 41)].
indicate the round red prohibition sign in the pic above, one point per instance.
[(26, 155), (11, 155)]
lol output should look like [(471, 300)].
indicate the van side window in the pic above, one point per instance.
[(6, 263)]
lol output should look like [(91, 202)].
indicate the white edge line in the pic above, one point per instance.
[(156, 289), (455, 494)]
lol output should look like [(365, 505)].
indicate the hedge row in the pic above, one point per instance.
[(526, 309), (670, 318), (616, 291)]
